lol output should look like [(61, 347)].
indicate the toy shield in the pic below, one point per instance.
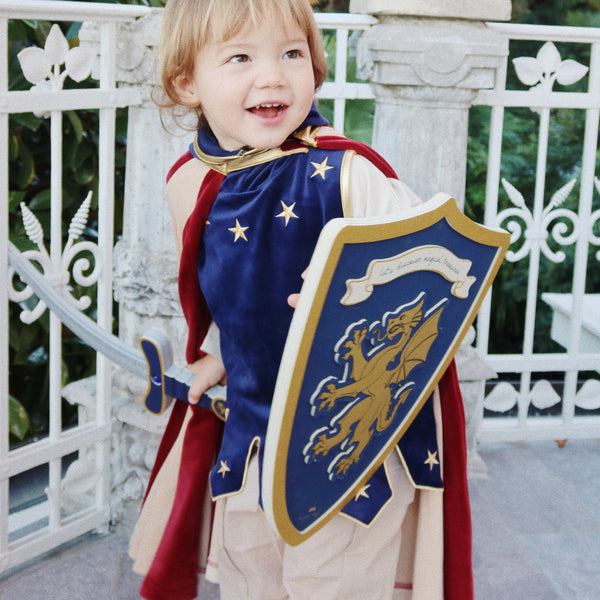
[(382, 312)]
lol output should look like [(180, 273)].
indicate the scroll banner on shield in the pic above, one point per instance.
[(384, 308)]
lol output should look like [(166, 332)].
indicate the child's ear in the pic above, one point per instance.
[(184, 86)]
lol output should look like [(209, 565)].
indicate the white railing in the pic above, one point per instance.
[(77, 501), (544, 230)]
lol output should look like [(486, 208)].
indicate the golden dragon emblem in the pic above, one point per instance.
[(374, 383)]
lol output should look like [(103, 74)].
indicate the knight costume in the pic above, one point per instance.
[(251, 234)]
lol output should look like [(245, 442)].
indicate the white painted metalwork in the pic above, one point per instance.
[(533, 225), (341, 90)]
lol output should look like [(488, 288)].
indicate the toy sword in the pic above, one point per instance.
[(153, 362)]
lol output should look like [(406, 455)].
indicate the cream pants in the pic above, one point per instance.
[(342, 561)]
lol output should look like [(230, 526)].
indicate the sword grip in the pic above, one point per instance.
[(167, 381)]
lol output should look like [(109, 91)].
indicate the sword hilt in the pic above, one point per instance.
[(167, 381)]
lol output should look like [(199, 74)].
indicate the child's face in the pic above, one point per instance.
[(255, 88)]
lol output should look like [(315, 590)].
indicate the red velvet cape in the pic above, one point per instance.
[(173, 573)]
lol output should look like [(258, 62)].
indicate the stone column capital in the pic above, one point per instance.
[(432, 52), (481, 10)]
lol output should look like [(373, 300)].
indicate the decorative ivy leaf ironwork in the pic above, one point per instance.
[(548, 67), (42, 67)]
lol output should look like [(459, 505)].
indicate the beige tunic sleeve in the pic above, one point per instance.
[(367, 192)]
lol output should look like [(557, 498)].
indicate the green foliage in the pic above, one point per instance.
[(518, 167), (556, 12), (18, 419)]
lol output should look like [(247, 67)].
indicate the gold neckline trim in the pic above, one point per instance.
[(253, 157)]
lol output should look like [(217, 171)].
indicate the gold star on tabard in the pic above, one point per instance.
[(238, 230), (287, 213), (224, 468), (362, 493), (431, 459), (320, 168)]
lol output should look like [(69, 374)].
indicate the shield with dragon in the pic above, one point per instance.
[(382, 312)]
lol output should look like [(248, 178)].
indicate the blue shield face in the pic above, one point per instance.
[(378, 324)]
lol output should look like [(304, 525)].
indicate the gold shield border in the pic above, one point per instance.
[(335, 236)]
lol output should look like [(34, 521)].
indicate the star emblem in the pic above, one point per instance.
[(238, 230), (287, 213), (224, 468), (431, 459), (320, 168), (362, 493)]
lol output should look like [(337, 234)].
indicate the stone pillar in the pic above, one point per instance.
[(425, 62), (144, 259), (145, 262), (473, 372)]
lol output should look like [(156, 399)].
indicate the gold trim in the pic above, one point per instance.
[(368, 525), (244, 159), (308, 135), (163, 402), (409, 476), (345, 187), (254, 443), (219, 407)]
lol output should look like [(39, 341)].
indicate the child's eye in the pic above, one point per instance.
[(292, 54), (239, 58)]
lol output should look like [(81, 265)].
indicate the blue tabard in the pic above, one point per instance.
[(261, 231)]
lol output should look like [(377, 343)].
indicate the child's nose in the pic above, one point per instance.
[(270, 75)]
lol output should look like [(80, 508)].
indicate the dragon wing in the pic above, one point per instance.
[(417, 348)]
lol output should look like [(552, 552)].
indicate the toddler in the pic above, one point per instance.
[(263, 175)]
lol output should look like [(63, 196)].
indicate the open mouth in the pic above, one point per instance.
[(267, 111)]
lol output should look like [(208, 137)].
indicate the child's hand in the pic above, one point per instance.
[(293, 298), (209, 370)]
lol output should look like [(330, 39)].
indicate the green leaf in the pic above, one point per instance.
[(28, 120), (18, 419), (76, 123), (84, 175), (73, 31), (40, 201), (14, 200), (26, 169), (13, 146)]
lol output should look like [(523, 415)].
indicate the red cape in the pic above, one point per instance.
[(174, 570)]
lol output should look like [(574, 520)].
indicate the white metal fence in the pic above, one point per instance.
[(552, 393)]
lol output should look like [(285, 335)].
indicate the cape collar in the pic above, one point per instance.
[(206, 148)]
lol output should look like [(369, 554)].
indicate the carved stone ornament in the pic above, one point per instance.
[(145, 285), (428, 52), (135, 48)]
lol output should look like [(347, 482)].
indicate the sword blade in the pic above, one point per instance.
[(174, 380), (115, 349)]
